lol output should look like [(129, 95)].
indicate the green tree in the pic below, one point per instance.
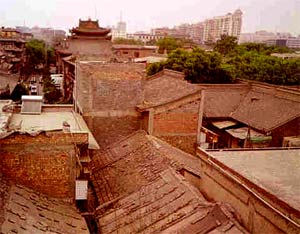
[(226, 44), (37, 54), (51, 93), (125, 41), (168, 44), (198, 66)]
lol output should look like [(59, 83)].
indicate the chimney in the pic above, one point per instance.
[(66, 127)]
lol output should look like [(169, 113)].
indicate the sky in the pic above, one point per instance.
[(270, 15)]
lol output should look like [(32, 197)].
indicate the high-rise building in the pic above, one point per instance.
[(120, 30), (229, 24)]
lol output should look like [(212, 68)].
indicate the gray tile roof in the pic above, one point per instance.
[(168, 204), (24, 211)]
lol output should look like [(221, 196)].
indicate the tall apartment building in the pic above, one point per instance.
[(119, 31), (229, 24)]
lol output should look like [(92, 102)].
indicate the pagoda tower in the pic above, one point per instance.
[(89, 40), (89, 29)]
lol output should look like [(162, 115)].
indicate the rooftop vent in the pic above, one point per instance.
[(31, 105)]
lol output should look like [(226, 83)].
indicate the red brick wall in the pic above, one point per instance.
[(185, 143), (178, 127), (172, 122), (44, 163)]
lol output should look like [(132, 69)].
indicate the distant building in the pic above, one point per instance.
[(49, 35), (179, 32), (204, 32), (145, 37), (271, 39), (229, 24), (12, 48), (130, 52), (89, 39), (293, 43), (119, 31)]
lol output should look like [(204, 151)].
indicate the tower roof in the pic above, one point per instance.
[(90, 28)]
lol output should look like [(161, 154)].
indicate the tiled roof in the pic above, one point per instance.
[(166, 88), (166, 205), (266, 111), (133, 162), (222, 101), (261, 106), (24, 211)]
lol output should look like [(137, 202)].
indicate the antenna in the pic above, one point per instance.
[(95, 11), (120, 16)]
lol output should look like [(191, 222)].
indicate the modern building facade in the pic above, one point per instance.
[(229, 24), (119, 31)]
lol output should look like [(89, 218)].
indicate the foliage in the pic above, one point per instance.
[(226, 44), (125, 41), (198, 66), (37, 55), (154, 68), (261, 67), (51, 93), (168, 44), (151, 42), (230, 61), (18, 91), (260, 48)]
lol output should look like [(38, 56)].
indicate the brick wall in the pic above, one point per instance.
[(290, 129), (178, 126), (90, 47), (45, 163), (185, 143), (108, 95)]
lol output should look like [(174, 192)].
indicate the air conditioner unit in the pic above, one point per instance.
[(31, 104)]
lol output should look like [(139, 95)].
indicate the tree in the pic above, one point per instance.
[(18, 91), (126, 41), (37, 55), (226, 44), (168, 44), (51, 93), (198, 66)]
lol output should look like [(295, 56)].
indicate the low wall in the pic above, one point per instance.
[(254, 211)]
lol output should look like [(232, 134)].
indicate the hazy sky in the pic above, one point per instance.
[(271, 15)]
